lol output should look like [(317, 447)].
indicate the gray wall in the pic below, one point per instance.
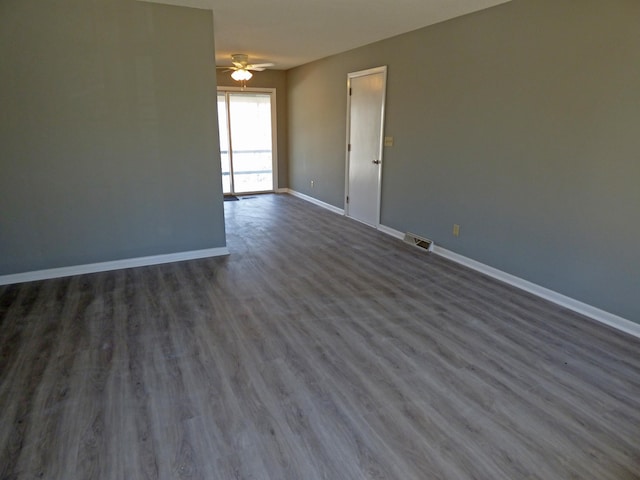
[(270, 79), (520, 123), (108, 133)]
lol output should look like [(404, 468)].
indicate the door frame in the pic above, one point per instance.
[(274, 129), (362, 73)]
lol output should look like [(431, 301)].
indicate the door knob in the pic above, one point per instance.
[(377, 162)]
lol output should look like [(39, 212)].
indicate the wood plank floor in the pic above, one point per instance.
[(320, 349)]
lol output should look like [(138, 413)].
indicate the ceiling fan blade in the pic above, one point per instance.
[(254, 69), (256, 66)]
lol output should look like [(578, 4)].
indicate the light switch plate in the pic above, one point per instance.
[(388, 141)]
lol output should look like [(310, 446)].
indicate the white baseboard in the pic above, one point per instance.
[(315, 201), (597, 314), (113, 265), (282, 190), (390, 231)]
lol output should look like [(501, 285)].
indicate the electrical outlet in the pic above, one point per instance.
[(388, 141), (312, 184), (456, 230)]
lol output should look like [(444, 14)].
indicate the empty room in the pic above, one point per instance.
[(319, 240)]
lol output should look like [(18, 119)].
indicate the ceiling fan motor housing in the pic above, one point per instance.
[(240, 59)]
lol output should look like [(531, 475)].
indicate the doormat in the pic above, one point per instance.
[(230, 198)]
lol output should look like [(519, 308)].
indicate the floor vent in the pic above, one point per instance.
[(413, 239)]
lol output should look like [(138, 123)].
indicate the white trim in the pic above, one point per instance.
[(274, 138), (112, 265), (231, 88), (622, 324), (315, 201), (619, 323), (274, 129), (370, 71), (391, 231), (602, 316)]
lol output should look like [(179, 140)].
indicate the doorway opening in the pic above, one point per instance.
[(247, 126)]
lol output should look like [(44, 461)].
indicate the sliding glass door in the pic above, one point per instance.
[(247, 132)]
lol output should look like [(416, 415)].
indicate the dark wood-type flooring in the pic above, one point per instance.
[(320, 349)]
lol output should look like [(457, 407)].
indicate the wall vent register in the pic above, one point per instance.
[(420, 242)]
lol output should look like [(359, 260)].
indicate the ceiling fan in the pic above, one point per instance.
[(241, 69)]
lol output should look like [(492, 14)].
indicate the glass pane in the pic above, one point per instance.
[(251, 142), (224, 144)]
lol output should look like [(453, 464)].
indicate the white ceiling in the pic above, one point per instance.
[(293, 32)]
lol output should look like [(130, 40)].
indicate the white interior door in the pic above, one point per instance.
[(364, 137)]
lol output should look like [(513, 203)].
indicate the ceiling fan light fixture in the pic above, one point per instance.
[(241, 75)]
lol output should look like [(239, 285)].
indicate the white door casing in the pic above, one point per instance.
[(226, 137), (366, 92)]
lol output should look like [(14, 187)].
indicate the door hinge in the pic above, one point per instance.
[(347, 198), (349, 147), (349, 91)]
